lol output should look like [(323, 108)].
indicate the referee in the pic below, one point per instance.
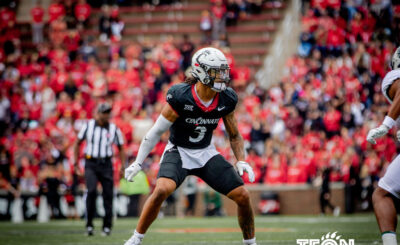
[(99, 134)]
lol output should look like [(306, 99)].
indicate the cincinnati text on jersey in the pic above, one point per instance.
[(201, 120)]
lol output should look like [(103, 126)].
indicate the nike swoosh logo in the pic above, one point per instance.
[(220, 108)]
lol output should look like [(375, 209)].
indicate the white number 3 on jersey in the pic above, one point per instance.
[(201, 130)]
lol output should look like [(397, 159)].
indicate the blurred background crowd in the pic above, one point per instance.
[(316, 117)]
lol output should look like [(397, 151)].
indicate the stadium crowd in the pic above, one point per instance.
[(316, 117)]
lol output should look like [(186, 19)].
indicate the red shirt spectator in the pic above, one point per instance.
[(2, 55), (310, 22), (312, 140), (276, 171), (231, 62), (132, 77), (252, 157), (24, 67), (82, 10), (71, 41), (35, 111), (170, 66), (58, 81), (369, 22), (372, 163), (296, 174), (114, 12), (336, 37), (37, 14), (6, 16), (12, 33), (332, 120), (250, 102), (17, 103), (335, 4), (356, 25), (126, 128), (241, 76), (114, 78), (319, 4), (59, 58), (56, 10), (245, 130), (385, 147), (218, 11), (78, 76)]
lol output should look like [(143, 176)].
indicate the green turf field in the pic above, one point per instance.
[(174, 231)]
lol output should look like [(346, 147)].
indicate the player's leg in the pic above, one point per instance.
[(91, 195), (164, 188), (222, 177), (241, 196), (170, 176), (382, 198), (385, 210)]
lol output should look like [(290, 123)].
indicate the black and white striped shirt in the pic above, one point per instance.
[(99, 139)]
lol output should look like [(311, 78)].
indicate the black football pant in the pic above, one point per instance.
[(324, 201), (99, 170)]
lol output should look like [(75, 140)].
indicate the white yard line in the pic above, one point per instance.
[(311, 220)]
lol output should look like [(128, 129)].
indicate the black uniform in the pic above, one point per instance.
[(193, 129), (98, 166), (325, 192)]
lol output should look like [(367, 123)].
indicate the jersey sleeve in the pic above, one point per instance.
[(173, 99), (232, 99)]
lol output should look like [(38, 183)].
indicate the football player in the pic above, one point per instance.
[(389, 185), (193, 111)]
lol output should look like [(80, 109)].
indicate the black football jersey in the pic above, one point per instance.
[(194, 127)]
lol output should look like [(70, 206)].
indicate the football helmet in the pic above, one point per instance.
[(395, 63), (210, 67)]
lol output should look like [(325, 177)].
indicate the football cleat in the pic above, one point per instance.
[(134, 240), (106, 231), (89, 231)]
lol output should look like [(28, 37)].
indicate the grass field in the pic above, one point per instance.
[(173, 231)]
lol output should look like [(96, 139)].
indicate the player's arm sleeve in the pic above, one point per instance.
[(152, 137), (394, 111)]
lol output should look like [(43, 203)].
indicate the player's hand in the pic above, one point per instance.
[(132, 171), (378, 132), (244, 166)]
